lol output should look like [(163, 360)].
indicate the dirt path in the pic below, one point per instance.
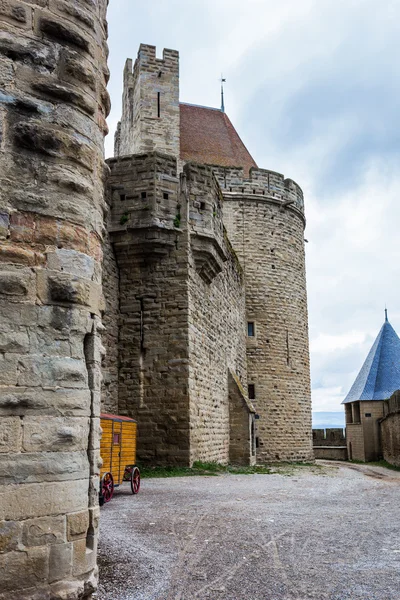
[(326, 533)]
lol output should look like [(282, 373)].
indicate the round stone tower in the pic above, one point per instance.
[(53, 105), (264, 217)]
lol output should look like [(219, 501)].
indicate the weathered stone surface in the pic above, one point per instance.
[(10, 535), (45, 531), (77, 525), (10, 434), (15, 283), (84, 559), (52, 123), (60, 562), (55, 433), (44, 499), (37, 467), (24, 569), (56, 402)]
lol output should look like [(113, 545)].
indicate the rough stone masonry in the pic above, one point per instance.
[(53, 106)]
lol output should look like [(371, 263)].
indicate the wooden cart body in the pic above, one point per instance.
[(118, 449)]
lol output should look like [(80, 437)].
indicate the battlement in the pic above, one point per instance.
[(150, 104), (334, 436), (147, 61), (261, 182)]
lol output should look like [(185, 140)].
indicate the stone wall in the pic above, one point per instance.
[(217, 333), (150, 104), (390, 430), (266, 229), (110, 365), (182, 311), (330, 443), (362, 430), (151, 248), (53, 105)]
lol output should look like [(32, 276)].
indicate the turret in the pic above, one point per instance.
[(150, 104)]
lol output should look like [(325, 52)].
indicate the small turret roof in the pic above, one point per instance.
[(208, 137), (380, 374)]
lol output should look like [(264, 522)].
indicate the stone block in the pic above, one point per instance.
[(55, 402), (23, 569), (55, 433), (52, 372), (60, 562), (10, 434), (77, 525), (13, 340), (16, 284), (71, 261), (39, 467), (43, 499), (84, 558), (10, 535), (67, 288), (8, 370), (45, 531), (14, 254)]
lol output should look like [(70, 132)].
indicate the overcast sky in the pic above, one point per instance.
[(313, 90)]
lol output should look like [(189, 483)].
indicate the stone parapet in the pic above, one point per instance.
[(261, 184), (53, 106)]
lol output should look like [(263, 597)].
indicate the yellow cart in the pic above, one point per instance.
[(118, 452)]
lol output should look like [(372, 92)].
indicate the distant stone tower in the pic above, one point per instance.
[(53, 106), (263, 214)]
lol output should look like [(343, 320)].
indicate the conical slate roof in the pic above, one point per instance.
[(380, 374)]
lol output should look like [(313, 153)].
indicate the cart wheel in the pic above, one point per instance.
[(107, 487), (135, 480)]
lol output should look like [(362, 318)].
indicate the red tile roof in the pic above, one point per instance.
[(208, 137)]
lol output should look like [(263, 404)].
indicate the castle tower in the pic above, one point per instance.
[(263, 214), (150, 104), (264, 217), (53, 105)]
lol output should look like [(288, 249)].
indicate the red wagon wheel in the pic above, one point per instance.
[(107, 486), (135, 480)]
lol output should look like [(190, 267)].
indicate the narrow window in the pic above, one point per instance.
[(202, 206), (257, 442), (165, 196), (116, 439), (250, 329), (251, 391), (158, 104), (368, 414), (122, 197), (144, 195)]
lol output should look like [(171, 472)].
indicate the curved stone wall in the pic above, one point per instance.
[(53, 105), (265, 225)]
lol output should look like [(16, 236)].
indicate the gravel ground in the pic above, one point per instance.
[(327, 533)]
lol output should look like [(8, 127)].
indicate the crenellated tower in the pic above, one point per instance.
[(150, 104), (254, 303)]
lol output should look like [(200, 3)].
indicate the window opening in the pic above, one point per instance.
[(116, 439), (368, 414), (202, 206), (158, 104), (122, 197), (251, 391), (165, 196), (144, 195), (250, 329)]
